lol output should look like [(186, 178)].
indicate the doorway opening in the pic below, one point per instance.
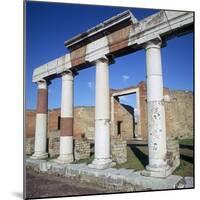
[(125, 113)]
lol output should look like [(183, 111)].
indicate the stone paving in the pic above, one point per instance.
[(113, 179)]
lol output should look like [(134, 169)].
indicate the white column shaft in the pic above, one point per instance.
[(66, 140), (40, 151), (67, 95), (40, 133), (156, 112), (102, 117), (102, 109)]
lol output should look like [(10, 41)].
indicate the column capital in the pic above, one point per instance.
[(69, 73), (106, 59), (42, 83), (154, 43)]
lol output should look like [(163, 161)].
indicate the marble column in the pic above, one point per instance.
[(66, 131), (157, 166), (102, 116), (40, 149)]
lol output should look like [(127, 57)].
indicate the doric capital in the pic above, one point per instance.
[(106, 58), (43, 84), (69, 73), (154, 43)]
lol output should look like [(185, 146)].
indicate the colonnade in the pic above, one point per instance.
[(156, 114)]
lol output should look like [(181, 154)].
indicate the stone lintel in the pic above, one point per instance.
[(132, 37), (105, 27)]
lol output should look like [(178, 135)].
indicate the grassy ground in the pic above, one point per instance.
[(138, 158), (187, 159)]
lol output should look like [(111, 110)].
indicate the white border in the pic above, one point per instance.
[(11, 101)]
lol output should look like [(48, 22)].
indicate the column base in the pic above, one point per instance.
[(64, 159), (39, 156), (159, 172), (102, 163)]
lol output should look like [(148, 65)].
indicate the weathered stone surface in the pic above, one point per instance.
[(189, 182), (29, 146), (124, 124), (178, 109), (119, 150), (54, 144), (84, 122), (117, 179), (173, 154), (82, 149)]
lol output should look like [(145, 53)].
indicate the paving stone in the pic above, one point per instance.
[(117, 179), (189, 182)]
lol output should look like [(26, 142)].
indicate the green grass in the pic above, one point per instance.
[(86, 161), (136, 160), (186, 142), (132, 161), (185, 169)]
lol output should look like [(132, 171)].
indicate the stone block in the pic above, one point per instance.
[(173, 154), (53, 146), (119, 150), (29, 147), (82, 149)]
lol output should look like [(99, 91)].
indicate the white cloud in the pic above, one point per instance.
[(90, 84), (125, 77)]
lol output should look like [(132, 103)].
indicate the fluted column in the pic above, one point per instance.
[(40, 151), (156, 112), (66, 132), (102, 116)]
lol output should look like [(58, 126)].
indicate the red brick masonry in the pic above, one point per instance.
[(42, 103), (66, 126)]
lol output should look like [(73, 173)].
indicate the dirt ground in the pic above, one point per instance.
[(45, 185)]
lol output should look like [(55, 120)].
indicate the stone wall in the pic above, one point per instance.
[(173, 154), (123, 120), (53, 143), (179, 114), (178, 107), (82, 149), (29, 146), (30, 123), (84, 122), (119, 150)]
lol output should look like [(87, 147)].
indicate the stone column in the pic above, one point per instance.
[(66, 129), (102, 116), (40, 151), (156, 113)]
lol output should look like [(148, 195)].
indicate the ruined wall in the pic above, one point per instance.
[(123, 120), (30, 123), (178, 107), (84, 122), (179, 114), (143, 109)]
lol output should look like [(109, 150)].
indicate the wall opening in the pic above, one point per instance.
[(128, 103), (59, 122)]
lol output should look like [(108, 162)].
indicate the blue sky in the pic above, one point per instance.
[(48, 25)]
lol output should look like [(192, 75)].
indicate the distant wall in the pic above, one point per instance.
[(178, 108), (179, 114), (123, 120)]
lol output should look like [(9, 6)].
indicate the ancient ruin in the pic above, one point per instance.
[(99, 46)]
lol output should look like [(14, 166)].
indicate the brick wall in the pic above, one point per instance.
[(178, 107), (123, 120)]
